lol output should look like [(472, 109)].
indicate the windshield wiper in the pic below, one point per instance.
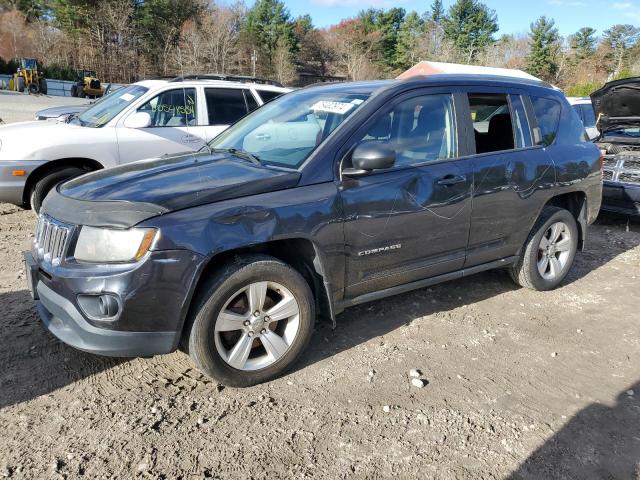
[(240, 153)]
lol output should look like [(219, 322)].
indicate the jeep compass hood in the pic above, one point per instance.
[(125, 195), (617, 104)]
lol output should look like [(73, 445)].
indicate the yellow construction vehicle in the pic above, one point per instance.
[(87, 85), (28, 77)]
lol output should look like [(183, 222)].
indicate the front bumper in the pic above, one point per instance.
[(621, 198), (153, 297), (11, 186)]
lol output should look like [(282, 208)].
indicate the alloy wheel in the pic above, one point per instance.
[(554, 250), (257, 325)]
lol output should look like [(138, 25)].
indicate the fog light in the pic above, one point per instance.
[(108, 305), (104, 306)]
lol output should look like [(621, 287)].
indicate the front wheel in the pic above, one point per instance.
[(549, 251), (252, 321), (42, 187)]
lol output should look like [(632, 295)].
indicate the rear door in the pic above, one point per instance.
[(411, 221), (508, 172), (226, 106)]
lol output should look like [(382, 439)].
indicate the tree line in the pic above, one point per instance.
[(128, 40)]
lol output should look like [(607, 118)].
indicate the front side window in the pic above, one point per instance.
[(492, 123), (420, 129), (172, 108), (225, 105), (103, 111), (547, 112), (285, 131)]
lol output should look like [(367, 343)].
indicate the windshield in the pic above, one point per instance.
[(102, 112), (286, 130)]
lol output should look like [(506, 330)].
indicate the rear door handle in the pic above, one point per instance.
[(449, 180)]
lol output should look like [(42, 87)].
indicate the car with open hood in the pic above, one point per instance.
[(146, 119), (617, 107), (325, 198)]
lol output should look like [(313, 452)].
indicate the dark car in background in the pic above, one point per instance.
[(325, 198), (617, 107)]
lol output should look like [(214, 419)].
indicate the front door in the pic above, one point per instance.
[(411, 221), (175, 127)]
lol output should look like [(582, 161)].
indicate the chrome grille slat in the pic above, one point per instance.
[(50, 240)]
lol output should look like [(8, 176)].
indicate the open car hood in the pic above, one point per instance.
[(617, 104)]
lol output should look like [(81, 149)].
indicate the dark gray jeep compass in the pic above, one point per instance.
[(327, 197)]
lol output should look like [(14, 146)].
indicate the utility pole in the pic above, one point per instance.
[(254, 57)]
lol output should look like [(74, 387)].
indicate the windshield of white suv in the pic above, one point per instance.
[(286, 130), (624, 132), (101, 113)]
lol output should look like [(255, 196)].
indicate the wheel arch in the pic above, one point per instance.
[(576, 203), (42, 171), (300, 253)]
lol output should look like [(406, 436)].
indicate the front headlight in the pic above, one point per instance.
[(103, 245)]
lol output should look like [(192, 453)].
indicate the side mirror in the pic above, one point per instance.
[(138, 120), (370, 156)]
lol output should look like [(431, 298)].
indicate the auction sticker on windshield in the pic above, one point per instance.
[(332, 107)]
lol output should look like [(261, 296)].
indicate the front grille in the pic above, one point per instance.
[(50, 241), (607, 174), (629, 177), (610, 161), (631, 164)]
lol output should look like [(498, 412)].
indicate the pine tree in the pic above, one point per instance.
[(542, 60), (437, 12), (470, 25), (407, 53), (584, 42)]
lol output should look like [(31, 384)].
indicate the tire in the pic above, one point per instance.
[(34, 88), (80, 91), (212, 350), (74, 91), (549, 252), (45, 184), (43, 86), (20, 85)]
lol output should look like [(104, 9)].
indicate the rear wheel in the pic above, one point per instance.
[(42, 187), (549, 251), (20, 84), (43, 86), (252, 321), (34, 88)]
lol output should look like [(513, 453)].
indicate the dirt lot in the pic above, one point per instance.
[(19, 107), (521, 384)]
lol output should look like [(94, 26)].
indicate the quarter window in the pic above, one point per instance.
[(421, 129), (548, 115), (268, 95), (172, 108), (225, 105)]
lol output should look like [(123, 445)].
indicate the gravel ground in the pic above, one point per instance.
[(519, 384), (20, 107)]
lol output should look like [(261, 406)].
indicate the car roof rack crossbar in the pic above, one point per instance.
[(226, 78)]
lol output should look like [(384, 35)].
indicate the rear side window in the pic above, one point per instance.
[(588, 115), (268, 95), (492, 124), (547, 113), (225, 105), (523, 132)]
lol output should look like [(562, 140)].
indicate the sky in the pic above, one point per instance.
[(514, 16)]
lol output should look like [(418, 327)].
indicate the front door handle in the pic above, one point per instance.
[(449, 180)]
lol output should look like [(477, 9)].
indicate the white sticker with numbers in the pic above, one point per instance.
[(332, 107)]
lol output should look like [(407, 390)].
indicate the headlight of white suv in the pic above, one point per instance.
[(103, 245)]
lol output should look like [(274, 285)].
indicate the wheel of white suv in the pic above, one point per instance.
[(549, 252), (251, 322)]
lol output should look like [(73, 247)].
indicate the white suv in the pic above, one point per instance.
[(584, 109), (143, 120)]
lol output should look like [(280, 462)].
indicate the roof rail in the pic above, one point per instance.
[(226, 78)]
